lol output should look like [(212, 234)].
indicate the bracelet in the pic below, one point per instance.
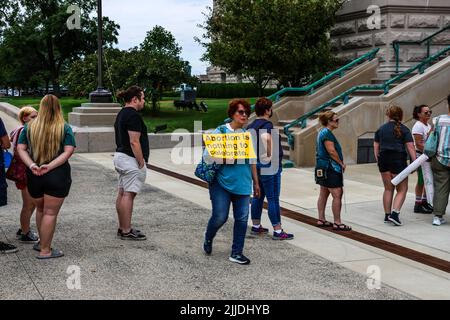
[(32, 165)]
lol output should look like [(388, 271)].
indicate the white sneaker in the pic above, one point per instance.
[(438, 221)]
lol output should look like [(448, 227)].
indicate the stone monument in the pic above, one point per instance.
[(93, 123)]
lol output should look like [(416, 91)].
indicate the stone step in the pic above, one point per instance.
[(92, 119), (285, 122), (96, 110)]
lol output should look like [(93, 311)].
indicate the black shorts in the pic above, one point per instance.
[(334, 180), (393, 162), (56, 183)]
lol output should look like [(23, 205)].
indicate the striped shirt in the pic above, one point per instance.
[(443, 152)]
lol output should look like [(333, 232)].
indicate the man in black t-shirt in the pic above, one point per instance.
[(130, 159)]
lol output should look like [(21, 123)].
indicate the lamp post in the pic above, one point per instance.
[(101, 95)]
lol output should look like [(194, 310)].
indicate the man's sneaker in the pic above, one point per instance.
[(30, 237), (438, 221), (19, 234), (259, 230), (240, 259), (133, 235), (282, 236), (119, 232), (7, 248), (421, 208), (395, 219), (207, 247)]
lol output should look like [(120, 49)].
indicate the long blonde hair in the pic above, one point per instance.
[(45, 133)]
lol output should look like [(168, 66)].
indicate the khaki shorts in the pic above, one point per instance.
[(131, 178)]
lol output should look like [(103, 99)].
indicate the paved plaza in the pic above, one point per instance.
[(171, 264)]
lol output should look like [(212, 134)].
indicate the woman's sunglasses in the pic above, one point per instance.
[(428, 113), (242, 113), (337, 120)]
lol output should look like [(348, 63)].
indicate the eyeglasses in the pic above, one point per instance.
[(337, 120), (242, 113), (428, 113)]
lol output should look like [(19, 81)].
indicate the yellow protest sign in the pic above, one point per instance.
[(230, 146)]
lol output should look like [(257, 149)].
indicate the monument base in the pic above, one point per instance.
[(94, 115)]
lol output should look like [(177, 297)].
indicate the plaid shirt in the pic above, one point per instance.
[(443, 152)]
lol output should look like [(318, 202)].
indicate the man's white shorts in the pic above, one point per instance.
[(131, 178)]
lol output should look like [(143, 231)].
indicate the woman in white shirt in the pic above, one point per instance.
[(420, 132)]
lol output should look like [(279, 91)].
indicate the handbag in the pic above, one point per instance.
[(207, 170), (17, 171), (432, 143)]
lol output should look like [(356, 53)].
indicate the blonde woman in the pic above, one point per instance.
[(51, 143), (24, 234)]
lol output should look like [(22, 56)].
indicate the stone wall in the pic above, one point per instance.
[(351, 36)]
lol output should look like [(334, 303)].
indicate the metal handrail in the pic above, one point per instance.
[(396, 44), (310, 89), (345, 96)]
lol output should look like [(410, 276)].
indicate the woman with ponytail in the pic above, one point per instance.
[(45, 146), (393, 142)]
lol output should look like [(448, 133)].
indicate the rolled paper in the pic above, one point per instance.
[(428, 180), (410, 169)]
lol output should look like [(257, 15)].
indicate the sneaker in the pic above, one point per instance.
[(240, 259), (207, 247), (428, 206), (30, 237), (259, 230), (133, 235), (395, 219), (7, 248), (282, 236), (386, 218), (18, 234), (119, 232), (421, 208), (438, 221)]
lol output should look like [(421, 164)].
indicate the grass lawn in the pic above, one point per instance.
[(167, 115), (67, 103)]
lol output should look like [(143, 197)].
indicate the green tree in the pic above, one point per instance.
[(38, 31), (284, 40)]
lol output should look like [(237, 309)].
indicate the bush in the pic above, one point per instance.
[(230, 91), (171, 94)]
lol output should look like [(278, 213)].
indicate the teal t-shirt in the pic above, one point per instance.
[(68, 139), (235, 178), (323, 158)]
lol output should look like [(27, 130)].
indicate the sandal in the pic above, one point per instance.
[(324, 224), (54, 254), (341, 227)]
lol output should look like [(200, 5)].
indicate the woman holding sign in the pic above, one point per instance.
[(392, 143), (232, 185)]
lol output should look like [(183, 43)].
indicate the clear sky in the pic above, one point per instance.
[(180, 17)]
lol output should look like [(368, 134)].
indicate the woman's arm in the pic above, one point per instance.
[(412, 151), (23, 154), (329, 145), (63, 158), (420, 144), (256, 189), (5, 143), (376, 150)]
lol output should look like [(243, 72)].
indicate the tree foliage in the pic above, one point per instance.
[(284, 40), (35, 38)]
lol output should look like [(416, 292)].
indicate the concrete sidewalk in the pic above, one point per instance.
[(171, 264)]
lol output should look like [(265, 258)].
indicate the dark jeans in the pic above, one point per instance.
[(3, 187), (221, 200), (270, 187)]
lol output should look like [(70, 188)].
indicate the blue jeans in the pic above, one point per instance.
[(3, 186), (221, 200), (270, 187)]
